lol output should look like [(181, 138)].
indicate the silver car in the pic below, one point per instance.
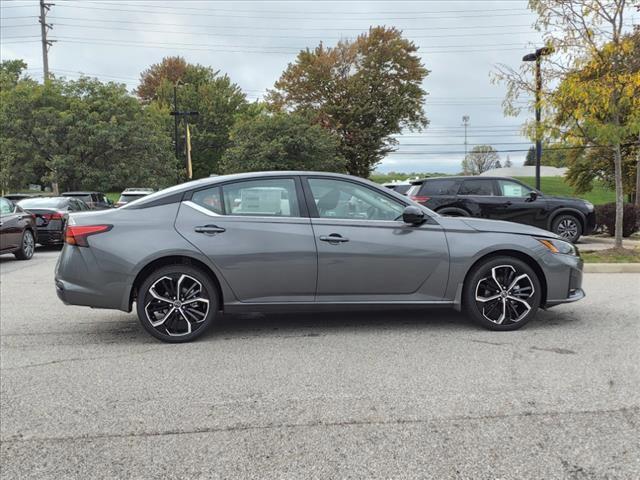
[(305, 240)]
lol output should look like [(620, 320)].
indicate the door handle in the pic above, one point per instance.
[(334, 238), (209, 229), (508, 204)]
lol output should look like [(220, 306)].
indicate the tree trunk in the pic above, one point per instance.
[(638, 173), (617, 161)]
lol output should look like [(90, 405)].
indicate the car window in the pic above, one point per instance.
[(343, 199), (509, 188), (265, 197), (439, 187), (209, 199), (402, 189), (6, 207), (476, 187)]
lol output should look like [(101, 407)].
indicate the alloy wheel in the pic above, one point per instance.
[(176, 304), (502, 296), (28, 244), (567, 228)]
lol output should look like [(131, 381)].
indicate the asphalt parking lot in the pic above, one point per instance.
[(88, 394)]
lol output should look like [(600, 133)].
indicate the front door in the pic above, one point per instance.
[(518, 206), (367, 253), (258, 235)]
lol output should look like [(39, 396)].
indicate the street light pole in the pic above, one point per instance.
[(537, 57)]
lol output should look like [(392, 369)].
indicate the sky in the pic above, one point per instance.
[(460, 43)]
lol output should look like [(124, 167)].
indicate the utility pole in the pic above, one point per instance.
[(465, 123), (44, 29), (537, 57), (176, 115)]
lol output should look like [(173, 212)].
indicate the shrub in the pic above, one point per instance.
[(606, 218)]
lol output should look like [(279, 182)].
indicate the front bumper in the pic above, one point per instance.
[(565, 285)]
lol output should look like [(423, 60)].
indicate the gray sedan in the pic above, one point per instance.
[(305, 240)]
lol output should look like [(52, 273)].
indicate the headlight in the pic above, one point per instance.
[(559, 246), (589, 205)]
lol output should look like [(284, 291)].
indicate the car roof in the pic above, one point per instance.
[(65, 194), (460, 177), (178, 190)]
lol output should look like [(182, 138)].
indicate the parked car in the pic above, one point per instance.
[(17, 230), (94, 200), (16, 197), (503, 198), (400, 187), (131, 194), (300, 240), (51, 214)]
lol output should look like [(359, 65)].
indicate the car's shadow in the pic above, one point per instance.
[(289, 325)]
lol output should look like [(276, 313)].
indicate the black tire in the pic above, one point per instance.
[(568, 227), (172, 315), (27, 246), (488, 313)]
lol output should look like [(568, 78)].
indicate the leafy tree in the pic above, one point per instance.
[(10, 73), (364, 91), (480, 159), (82, 134), (281, 141), (215, 97), (595, 68), (553, 155)]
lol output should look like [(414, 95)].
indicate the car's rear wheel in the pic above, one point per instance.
[(177, 303), (27, 246), (502, 293), (568, 227)]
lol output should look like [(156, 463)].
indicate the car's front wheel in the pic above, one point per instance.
[(502, 293), (177, 303), (27, 246), (568, 227)]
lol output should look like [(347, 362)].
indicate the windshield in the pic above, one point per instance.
[(130, 197), (52, 202)]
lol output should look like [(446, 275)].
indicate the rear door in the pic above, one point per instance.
[(366, 252), (258, 234), (480, 197)]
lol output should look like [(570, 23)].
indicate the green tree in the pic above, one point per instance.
[(81, 134), (480, 159), (215, 97), (281, 141), (364, 91)]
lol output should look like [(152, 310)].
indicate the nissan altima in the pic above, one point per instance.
[(305, 240)]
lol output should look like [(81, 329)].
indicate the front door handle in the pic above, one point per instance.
[(210, 229), (334, 238)]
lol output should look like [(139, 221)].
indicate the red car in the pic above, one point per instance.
[(17, 230)]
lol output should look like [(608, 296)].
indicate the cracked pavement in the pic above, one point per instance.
[(408, 394)]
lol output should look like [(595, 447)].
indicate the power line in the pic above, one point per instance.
[(509, 150)]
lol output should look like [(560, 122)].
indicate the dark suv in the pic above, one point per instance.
[(503, 198)]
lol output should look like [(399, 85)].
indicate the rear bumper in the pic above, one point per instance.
[(50, 237)]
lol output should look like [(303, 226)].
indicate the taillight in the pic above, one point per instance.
[(52, 216), (77, 234), (420, 198)]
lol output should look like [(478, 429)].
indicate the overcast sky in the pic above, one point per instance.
[(253, 41)]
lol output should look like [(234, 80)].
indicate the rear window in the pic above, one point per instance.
[(402, 189), (125, 198), (439, 187), (43, 203), (84, 198), (476, 187)]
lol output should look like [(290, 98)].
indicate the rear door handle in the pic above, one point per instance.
[(333, 238), (210, 229)]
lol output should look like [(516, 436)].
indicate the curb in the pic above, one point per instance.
[(612, 267)]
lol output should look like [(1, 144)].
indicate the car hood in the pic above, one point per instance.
[(571, 200), (499, 226)]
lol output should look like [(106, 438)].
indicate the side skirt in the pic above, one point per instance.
[(332, 307)]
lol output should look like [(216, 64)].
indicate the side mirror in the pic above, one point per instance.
[(413, 215), (533, 196)]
